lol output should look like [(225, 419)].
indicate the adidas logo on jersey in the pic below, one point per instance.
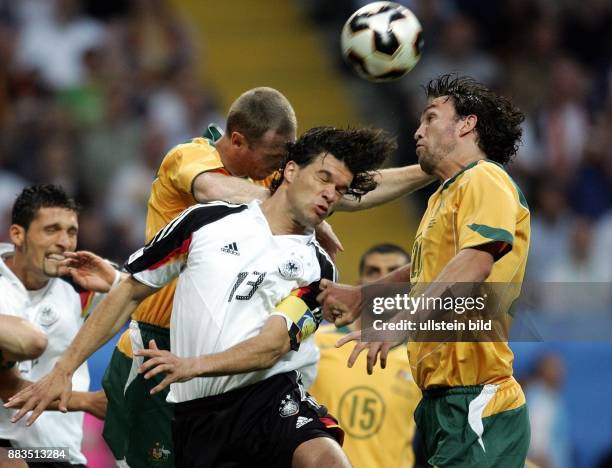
[(231, 249), (301, 421)]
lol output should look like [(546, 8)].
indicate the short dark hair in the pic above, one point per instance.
[(34, 198), (382, 249), (362, 150), (258, 110), (499, 121)]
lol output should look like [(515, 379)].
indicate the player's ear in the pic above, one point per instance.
[(469, 124), (238, 140), (290, 171), (17, 234)]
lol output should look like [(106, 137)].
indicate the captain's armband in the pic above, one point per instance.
[(301, 320)]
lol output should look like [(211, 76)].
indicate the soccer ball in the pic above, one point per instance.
[(382, 41)]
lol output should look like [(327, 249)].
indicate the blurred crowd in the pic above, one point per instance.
[(92, 95)]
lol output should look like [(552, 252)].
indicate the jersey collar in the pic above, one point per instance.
[(450, 180), (254, 207), (213, 134)]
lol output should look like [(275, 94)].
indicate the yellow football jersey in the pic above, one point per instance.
[(171, 193), (375, 411), (478, 206)]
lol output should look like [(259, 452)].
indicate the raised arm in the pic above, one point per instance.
[(19, 339), (211, 186), (392, 183)]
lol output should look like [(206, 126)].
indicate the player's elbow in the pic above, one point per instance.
[(276, 348), (32, 344)]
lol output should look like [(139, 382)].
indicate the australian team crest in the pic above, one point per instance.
[(47, 316), (158, 453), (288, 407), (291, 269)]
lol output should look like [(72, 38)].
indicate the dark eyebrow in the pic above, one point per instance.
[(429, 108)]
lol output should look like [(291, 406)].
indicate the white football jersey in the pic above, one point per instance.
[(232, 273), (58, 310)]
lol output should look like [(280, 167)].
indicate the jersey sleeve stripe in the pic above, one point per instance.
[(174, 239), (328, 268), (86, 298), (492, 233), (175, 254)]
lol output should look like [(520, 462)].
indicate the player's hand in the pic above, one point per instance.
[(88, 270), (328, 239), (376, 349), (95, 403), (341, 302), (37, 397), (177, 369)]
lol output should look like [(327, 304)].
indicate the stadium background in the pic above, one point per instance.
[(92, 95)]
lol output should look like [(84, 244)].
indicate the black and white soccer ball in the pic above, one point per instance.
[(382, 41)]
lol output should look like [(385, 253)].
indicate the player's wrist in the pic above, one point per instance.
[(64, 368), (198, 367)]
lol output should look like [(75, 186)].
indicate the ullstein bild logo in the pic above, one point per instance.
[(231, 249)]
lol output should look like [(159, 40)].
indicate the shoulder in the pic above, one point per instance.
[(485, 176), (198, 149), (193, 219)]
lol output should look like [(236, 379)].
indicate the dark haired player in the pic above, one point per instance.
[(43, 232), (475, 229)]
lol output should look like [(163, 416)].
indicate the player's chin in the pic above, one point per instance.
[(51, 268)]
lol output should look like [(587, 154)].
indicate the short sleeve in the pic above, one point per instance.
[(190, 160), (486, 213)]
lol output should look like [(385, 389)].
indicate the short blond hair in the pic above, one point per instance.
[(261, 109)]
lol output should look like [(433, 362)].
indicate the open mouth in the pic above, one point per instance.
[(321, 210)]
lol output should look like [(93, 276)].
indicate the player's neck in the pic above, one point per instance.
[(279, 217), (454, 163)]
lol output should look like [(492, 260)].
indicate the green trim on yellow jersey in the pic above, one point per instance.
[(496, 234), (446, 183)]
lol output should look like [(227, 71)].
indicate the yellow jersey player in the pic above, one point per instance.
[(475, 229), (375, 412)]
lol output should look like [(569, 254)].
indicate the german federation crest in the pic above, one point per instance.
[(288, 407), (291, 269), (47, 316)]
